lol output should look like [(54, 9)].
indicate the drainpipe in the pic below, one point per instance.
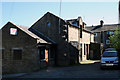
[(79, 56), (102, 25)]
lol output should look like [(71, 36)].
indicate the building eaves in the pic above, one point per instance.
[(38, 33), (88, 31), (73, 25), (106, 27)]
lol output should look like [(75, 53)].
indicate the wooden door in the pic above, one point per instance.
[(46, 55)]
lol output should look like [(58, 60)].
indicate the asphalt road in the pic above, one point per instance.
[(77, 71)]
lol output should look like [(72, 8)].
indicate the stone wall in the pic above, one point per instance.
[(85, 37), (72, 34), (49, 26), (28, 44)]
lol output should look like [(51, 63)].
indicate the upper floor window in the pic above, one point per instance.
[(48, 24), (13, 31), (95, 34), (107, 41), (110, 32)]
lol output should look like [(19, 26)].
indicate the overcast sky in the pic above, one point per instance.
[(26, 13)]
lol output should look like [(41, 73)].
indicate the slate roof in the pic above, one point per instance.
[(98, 28), (76, 26), (38, 33)]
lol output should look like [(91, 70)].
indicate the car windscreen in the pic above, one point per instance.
[(110, 49), (110, 54)]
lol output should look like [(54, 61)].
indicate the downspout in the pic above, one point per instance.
[(79, 55)]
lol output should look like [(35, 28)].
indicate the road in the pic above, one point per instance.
[(79, 71), (76, 71)]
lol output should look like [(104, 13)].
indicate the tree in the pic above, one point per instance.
[(115, 38)]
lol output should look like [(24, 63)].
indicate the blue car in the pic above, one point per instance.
[(109, 59)]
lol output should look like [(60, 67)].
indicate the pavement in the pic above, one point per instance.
[(13, 75), (89, 61)]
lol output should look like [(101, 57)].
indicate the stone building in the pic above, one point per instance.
[(22, 51), (56, 29), (79, 37), (69, 32), (49, 41)]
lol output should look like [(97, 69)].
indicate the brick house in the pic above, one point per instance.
[(79, 37), (102, 32), (23, 51)]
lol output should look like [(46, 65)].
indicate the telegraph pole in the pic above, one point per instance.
[(60, 15), (119, 12)]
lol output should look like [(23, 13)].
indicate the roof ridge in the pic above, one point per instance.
[(20, 27), (45, 15)]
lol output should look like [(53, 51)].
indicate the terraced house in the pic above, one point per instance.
[(103, 32), (49, 41)]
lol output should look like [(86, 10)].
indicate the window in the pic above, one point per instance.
[(80, 45), (107, 41), (2, 51), (48, 24), (95, 34), (51, 52), (110, 54), (42, 53), (84, 49), (80, 31), (13, 31), (109, 33), (17, 54)]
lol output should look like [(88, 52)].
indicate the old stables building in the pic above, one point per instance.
[(50, 41)]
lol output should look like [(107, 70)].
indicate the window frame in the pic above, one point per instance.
[(12, 33), (13, 53), (39, 52), (96, 34), (107, 41), (51, 54), (3, 52)]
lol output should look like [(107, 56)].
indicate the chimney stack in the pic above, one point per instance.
[(101, 23)]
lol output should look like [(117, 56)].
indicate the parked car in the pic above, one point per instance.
[(109, 59), (110, 49)]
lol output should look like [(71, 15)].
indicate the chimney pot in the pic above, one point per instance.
[(101, 23)]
